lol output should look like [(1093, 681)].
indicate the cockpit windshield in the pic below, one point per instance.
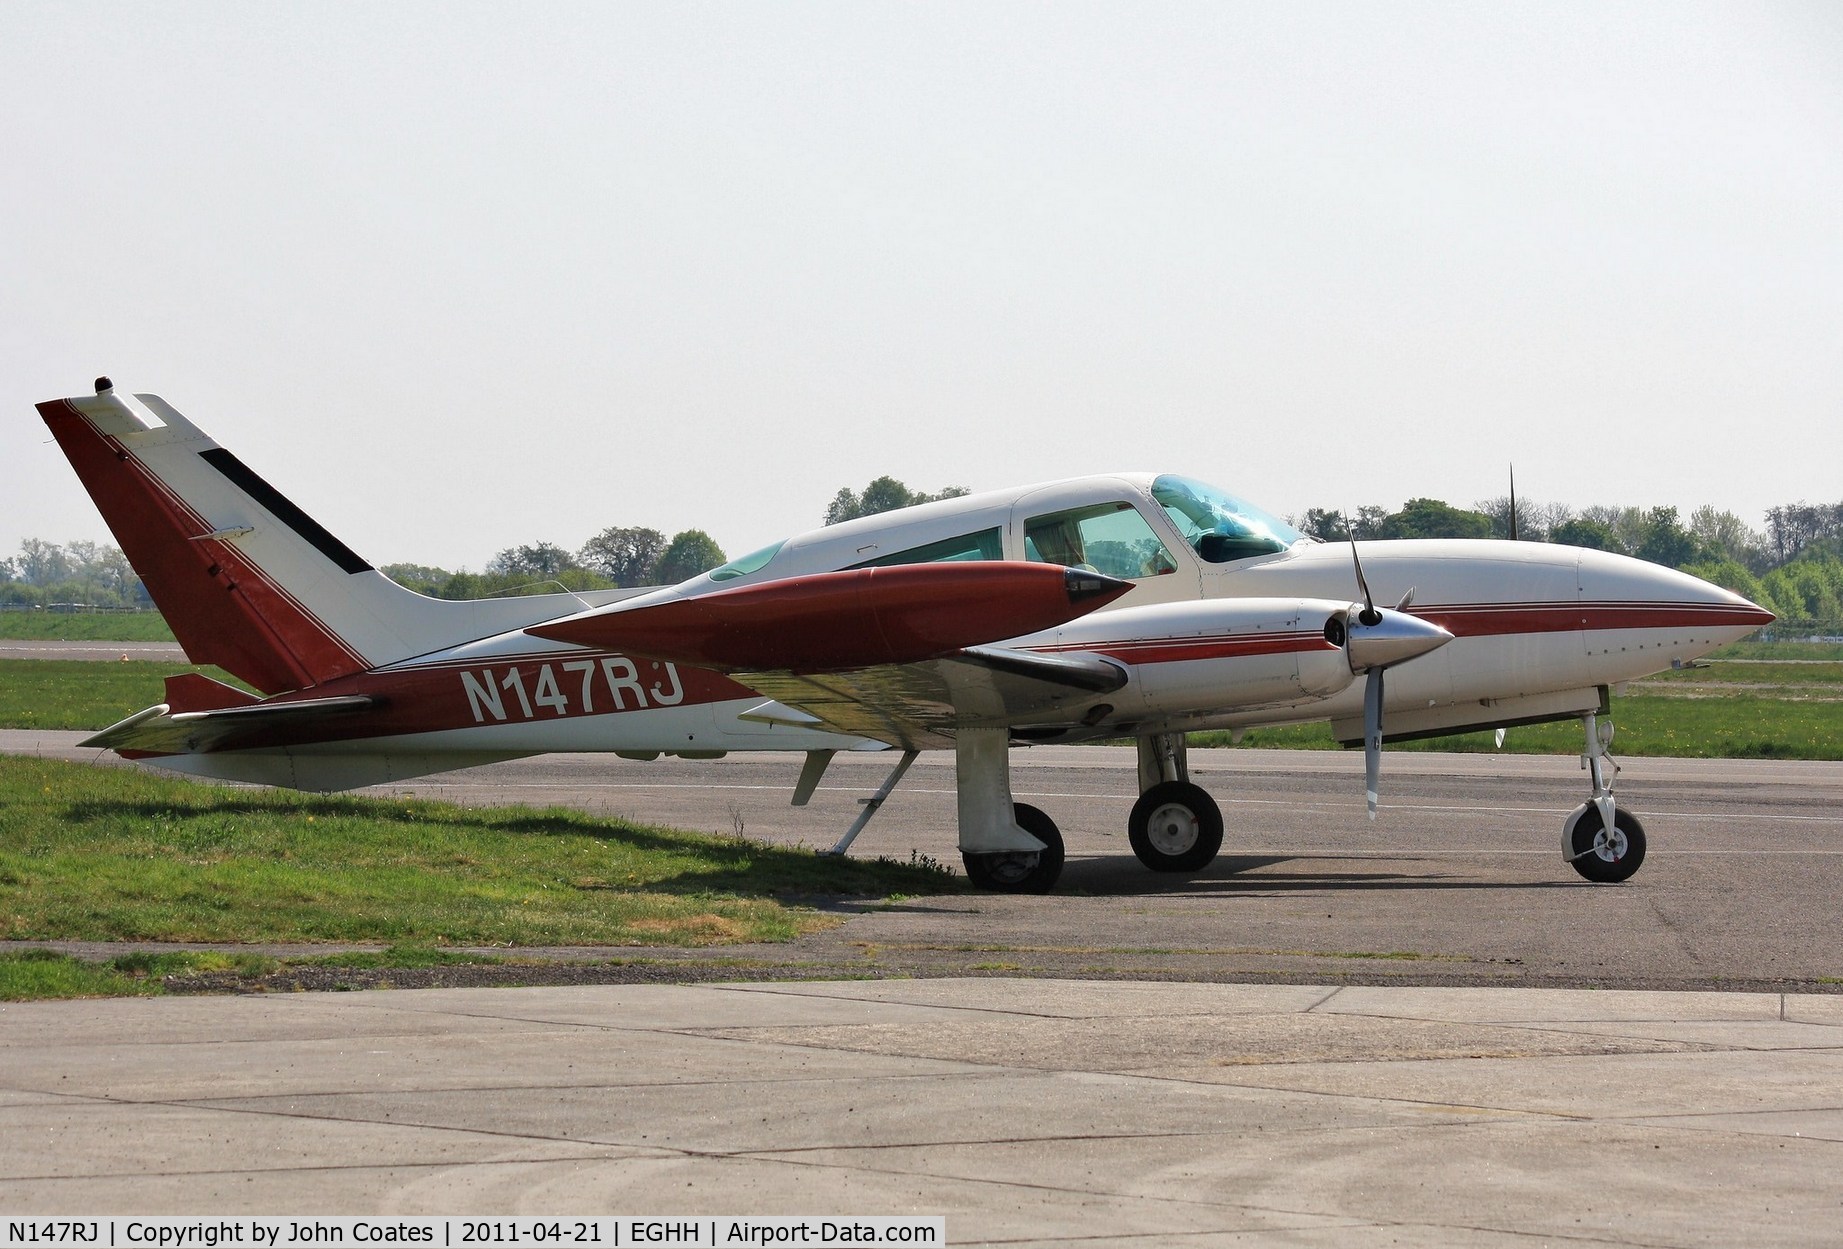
[(754, 561), (1220, 526)]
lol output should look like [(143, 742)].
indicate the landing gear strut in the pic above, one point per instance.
[(1600, 840), (1007, 846)]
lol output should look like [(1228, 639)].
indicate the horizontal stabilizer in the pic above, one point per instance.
[(160, 730), (191, 692), (843, 621)]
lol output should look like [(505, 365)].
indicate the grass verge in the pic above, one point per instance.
[(1728, 726), (37, 974), (80, 694), (112, 854), (30, 974), (87, 626)]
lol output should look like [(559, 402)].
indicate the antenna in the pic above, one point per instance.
[(1513, 502)]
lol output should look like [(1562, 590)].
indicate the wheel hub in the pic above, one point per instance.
[(1010, 869), (1609, 844), (1173, 829)]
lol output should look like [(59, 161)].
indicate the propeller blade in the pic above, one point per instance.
[(1372, 737), (1369, 615)]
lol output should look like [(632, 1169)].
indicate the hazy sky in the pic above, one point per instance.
[(456, 277)]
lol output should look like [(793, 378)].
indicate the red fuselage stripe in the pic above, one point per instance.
[(1180, 650), (1496, 619)]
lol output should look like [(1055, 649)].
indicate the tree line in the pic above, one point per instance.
[(621, 557), (94, 576), (885, 494), (626, 557), (1793, 566), (87, 574)]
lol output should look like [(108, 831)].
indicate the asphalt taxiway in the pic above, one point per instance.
[(64, 648)]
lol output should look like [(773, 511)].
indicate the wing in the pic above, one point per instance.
[(899, 654), (918, 706), (838, 621)]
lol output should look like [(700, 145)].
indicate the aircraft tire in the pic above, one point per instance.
[(1610, 863), (1010, 872), (1175, 827)]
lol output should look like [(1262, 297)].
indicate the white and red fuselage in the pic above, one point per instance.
[(1205, 633)]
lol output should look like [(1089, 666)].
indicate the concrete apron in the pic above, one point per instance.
[(1025, 1111)]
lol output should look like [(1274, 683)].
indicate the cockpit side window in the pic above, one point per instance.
[(1220, 526), (985, 544), (1111, 538)]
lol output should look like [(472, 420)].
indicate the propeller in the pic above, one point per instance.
[(1377, 640), (1369, 617), (1372, 738)]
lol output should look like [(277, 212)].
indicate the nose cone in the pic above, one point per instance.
[(1396, 638), (1619, 592)]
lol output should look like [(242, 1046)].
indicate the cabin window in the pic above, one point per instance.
[(1111, 538), (986, 544)]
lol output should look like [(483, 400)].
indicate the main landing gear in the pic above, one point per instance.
[(1007, 846), (1175, 826), (1602, 841), (1020, 871)]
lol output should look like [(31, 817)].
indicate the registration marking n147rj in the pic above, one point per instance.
[(611, 683)]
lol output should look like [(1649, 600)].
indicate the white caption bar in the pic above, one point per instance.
[(614, 1231)]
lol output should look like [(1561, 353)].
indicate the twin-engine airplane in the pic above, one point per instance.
[(1117, 606)]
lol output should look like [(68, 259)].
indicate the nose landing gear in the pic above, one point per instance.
[(1601, 841)]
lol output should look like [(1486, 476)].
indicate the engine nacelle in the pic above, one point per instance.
[(1217, 655)]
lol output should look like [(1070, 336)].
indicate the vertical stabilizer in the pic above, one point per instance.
[(183, 535), (247, 580)]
